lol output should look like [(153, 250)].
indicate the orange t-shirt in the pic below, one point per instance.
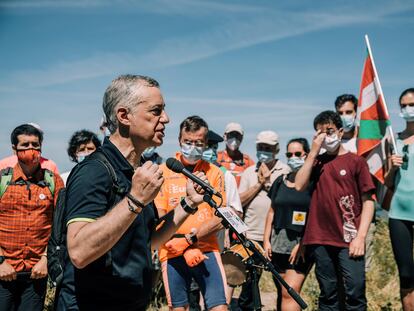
[(44, 163), (174, 189), (236, 168)]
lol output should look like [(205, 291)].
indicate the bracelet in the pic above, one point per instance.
[(138, 205), (136, 209), (187, 208), (191, 238), (135, 201)]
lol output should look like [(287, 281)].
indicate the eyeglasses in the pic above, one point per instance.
[(330, 132), (197, 143), (296, 154)]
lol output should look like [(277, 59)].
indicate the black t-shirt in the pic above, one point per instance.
[(291, 206), (120, 279)]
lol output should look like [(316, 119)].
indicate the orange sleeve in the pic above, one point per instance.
[(219, 186), (161, 200)]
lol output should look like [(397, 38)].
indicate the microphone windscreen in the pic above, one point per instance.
[(174, 165)]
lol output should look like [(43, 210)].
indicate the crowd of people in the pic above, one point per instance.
[(122, 205)]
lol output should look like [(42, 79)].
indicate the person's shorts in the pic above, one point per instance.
[(209, 275), (281, 262)]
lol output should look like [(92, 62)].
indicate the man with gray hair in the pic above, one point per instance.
[(109, 213)]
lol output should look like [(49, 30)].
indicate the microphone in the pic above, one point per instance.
[(177, 167)]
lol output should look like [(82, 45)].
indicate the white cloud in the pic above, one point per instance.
[(176, 7), (236, 33)]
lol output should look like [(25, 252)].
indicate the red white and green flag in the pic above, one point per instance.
[(374, 120)]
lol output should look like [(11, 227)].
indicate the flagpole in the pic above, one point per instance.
[(382, 93)]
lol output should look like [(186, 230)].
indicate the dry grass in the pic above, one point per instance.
[(382, 280)]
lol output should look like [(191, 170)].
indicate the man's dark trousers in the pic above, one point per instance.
[(327, 259), (22, 294)]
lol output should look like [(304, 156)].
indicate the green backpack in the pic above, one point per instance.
[(6, 176)]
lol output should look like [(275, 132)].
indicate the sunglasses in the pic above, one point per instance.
[(297, 154), (407, 105)]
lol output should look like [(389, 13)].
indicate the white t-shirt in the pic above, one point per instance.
[(65, 176), (256, 211), (350, 144), (232, 195)]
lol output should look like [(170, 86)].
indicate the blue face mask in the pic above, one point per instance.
[(81, 156), (348, 122), (191, 153), (296, 163), (265, 156), (210, 155), (149, 152)]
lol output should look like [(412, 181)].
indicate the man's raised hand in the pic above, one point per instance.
[(146, 182)]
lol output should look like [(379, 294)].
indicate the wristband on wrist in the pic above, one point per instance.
[(191, 238), (138, 205), (136, 202), (187, 208), (133, 208)]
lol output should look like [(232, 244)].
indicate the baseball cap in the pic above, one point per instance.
[(35, 125), (233, 127), (267, 137), (213, 137)]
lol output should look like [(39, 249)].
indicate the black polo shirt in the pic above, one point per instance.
[(120, 279)]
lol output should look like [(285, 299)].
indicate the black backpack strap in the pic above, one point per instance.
[(116, 188), (276, 185)]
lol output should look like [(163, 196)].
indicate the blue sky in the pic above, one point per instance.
[(266, 64)]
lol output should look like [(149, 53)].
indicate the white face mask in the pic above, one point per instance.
[(192, 153), (348, 122), (265, 156), (233, 143), (407, 113), (331, 143), (296, 163)]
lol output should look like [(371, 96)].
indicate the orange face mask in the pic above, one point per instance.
[(30, 157)]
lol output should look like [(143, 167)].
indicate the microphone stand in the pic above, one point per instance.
[(257, 258)]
